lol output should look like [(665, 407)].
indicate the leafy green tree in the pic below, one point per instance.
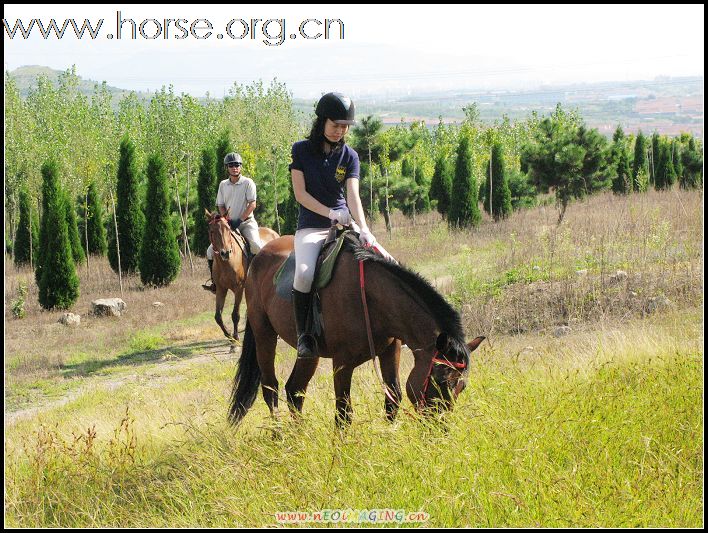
[(129, 213), (206, 194), (50, 196), (290, 211), (159, 255), (27, 237), (676, 152), (523, 193), (464, 211), (58, 282)]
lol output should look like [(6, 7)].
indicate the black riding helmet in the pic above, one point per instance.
[(232, 157), (336, 107)]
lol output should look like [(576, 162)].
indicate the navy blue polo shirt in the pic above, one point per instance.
[(325, 177)]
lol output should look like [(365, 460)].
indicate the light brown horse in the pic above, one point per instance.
[(402, 305), (230, 265)]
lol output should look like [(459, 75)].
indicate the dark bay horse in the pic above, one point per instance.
[(402, 305), (230, 266)]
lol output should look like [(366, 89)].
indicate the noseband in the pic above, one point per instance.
[(461, 367)]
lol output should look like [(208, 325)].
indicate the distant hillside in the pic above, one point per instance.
[(26, 78)]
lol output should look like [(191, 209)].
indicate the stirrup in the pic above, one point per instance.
[(309, 352)]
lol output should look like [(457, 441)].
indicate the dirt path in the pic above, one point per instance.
[(159, 370)]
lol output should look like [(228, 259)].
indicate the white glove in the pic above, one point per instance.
[(367, 240), (340, 216)]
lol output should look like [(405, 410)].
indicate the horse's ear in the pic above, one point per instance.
[(441, 342), (228, 213), (474, 344), (207, 213)]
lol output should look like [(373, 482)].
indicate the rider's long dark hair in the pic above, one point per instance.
[(317, 137)]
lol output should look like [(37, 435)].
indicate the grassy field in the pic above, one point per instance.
[(121, 422)]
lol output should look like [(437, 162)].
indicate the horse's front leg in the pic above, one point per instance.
[(342, 390), (220, 299), (389, 361), (235, 313), (297, 383)]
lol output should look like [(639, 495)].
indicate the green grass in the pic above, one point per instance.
[(598, 431)]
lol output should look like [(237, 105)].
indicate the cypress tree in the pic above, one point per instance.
[(622, 184), (159, 255), (50, 190), (290, 212), (97, 244), (129, 213), (206, 194), (640, 166), (501, 195), (665, 176), (223, 147), (676, 158), (27, 230), (441, 185), (464, 211), (77, 250), (58, 283), (655, 156), (692, 162)]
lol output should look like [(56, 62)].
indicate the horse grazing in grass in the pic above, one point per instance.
[(230, 264), (402, 305)]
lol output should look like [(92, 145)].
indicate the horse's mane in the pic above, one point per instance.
[(418, 288)]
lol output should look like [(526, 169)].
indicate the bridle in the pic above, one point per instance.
[(217, 220), (460, 367)]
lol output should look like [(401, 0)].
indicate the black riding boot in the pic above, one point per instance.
[(306, 345), (210, 286)]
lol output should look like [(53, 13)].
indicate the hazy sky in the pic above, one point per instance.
[(384, 48)]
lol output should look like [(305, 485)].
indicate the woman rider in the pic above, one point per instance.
[(321, 166)]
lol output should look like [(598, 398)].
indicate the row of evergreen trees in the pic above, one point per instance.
[(53, 246)]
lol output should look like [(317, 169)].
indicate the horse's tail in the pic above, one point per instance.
[(247, 380)]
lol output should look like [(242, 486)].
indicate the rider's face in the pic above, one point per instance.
[(234, 171), (334, 132)]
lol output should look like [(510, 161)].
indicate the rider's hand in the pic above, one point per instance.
[(235, 223), (368, 240), (340, 216)]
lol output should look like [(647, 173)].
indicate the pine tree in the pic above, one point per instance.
[(129, 213), (97, 244), (206, 193), (77, 250), (58, 283), (159, 255), (464, 211), (640, 165), (619, 162), (28, 228)]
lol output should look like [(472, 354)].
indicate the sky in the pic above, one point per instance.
[(369, 49)]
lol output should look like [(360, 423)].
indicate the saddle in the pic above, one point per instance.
[(326, 262)]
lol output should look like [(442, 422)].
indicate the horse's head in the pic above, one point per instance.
[(220, 234), (448, 373)]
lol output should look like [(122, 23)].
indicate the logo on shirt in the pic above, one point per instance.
[(341, 171)]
